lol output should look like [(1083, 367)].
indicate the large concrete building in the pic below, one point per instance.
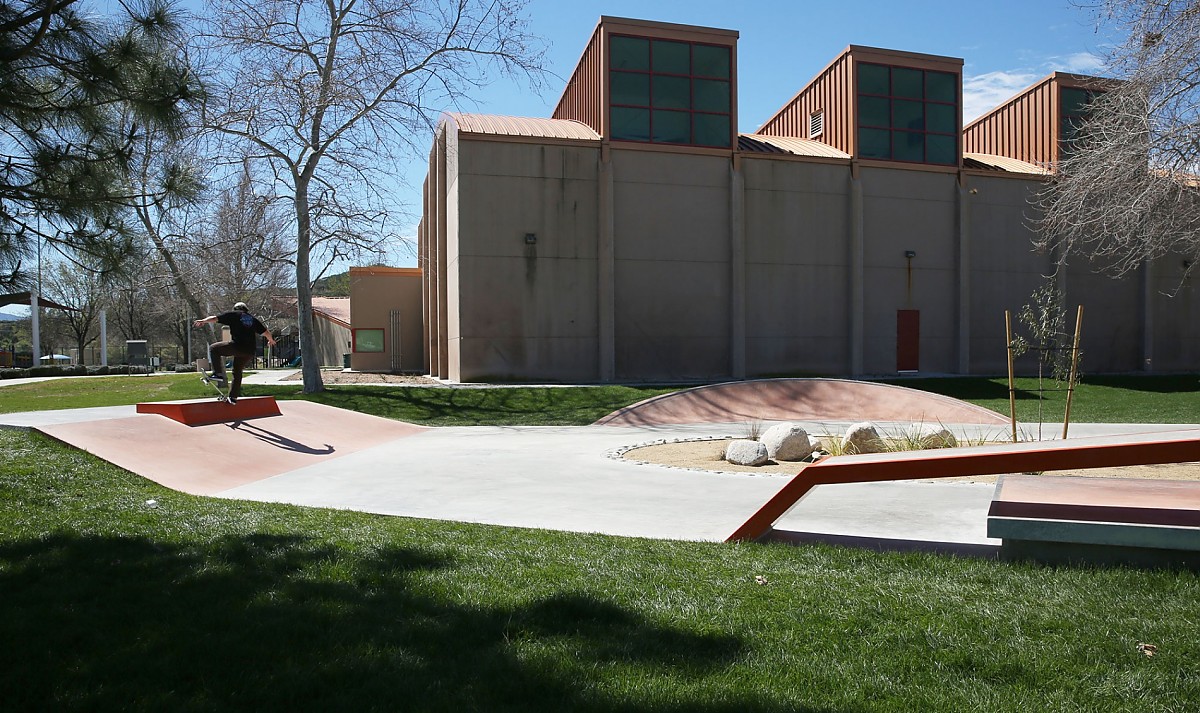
[(862, 230)]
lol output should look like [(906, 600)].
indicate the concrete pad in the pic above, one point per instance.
[(204, 460)]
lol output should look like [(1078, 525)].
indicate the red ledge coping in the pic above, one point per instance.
[(1100, 452), (201, 413)]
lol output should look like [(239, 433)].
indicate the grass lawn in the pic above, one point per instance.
[(1098, 399), (204, 604), (200, 604), (550, 406)]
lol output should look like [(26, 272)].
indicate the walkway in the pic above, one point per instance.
[(564, 478)]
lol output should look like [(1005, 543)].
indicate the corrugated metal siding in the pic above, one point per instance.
[(1023, 128), (496, 125), (758, 143), (992, 162), (583, 99), (830, 91)]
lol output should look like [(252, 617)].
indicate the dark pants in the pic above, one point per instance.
[(217, 351)]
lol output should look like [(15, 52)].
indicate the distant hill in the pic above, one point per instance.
[(333, 285), (5, 317)]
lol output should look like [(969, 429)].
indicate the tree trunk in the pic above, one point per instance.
[(309, 361)]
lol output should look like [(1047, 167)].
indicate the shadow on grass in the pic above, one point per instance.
[(479, 406), (267, 622)]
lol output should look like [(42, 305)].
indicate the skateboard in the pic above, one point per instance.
[(202, 367)]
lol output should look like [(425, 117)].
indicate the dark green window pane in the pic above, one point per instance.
[(672, 57), (630, 53), (941, 87), (630, 88), (874, 143), (908, 115), (710, 95), (942, 118), (907, 82), (874, 111), (630, 124), (941, 149), (1074, 101), (712, 130), (672, 92), (873, 79), (710, 61), (908, 146), (672, 127)]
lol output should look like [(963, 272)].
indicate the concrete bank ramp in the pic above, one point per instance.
[(800, 400)]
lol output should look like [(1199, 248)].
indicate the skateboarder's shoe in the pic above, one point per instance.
[(231, 400)]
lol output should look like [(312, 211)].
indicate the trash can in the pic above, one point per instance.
[(345, 361)]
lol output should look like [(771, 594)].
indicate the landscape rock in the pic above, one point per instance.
[(744, 452), (787, 442), (862, 438), (928, 435)]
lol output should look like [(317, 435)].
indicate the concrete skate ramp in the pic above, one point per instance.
[(800, 400), (208, 459)]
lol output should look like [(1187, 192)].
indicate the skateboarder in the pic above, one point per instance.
[(244, 329)]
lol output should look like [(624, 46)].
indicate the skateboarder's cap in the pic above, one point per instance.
[(241, 307)]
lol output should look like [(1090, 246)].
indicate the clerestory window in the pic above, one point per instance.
[(1074, 109), (907, 114), (670, 92)]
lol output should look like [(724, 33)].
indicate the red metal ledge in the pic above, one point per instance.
[(1142, 449), (200, 413)]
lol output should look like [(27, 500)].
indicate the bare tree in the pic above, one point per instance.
[(327, 91), (244, 249), (82, 289), (1128, 190)]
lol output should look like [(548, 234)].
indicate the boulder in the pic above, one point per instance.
[(787, 442), (928, 435), (862, 438), (744, 452)]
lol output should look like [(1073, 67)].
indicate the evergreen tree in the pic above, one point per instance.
[(77, 93)]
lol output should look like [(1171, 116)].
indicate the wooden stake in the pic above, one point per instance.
[(1012, 399), (1074, 367)]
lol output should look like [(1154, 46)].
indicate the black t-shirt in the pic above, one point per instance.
[(244, 329)]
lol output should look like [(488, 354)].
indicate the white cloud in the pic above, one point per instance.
[(1079, 63), (985, 92)]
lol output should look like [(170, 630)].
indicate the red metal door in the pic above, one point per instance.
[(908, 339)]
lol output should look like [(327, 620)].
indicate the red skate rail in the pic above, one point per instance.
[(1072, 454), (202, 413)]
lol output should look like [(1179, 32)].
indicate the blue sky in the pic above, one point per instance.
[(1006, 46)]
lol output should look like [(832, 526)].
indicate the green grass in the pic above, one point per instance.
[(206, 604), (1097, 399), (549, 406)]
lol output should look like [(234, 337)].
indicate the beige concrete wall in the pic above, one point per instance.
[(909, 210), (374, 294), (1005, 269), (532, 311), (1175, 315), (524, 310), (797, 257), (1111, 335), (672, 272), (333, 341)]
